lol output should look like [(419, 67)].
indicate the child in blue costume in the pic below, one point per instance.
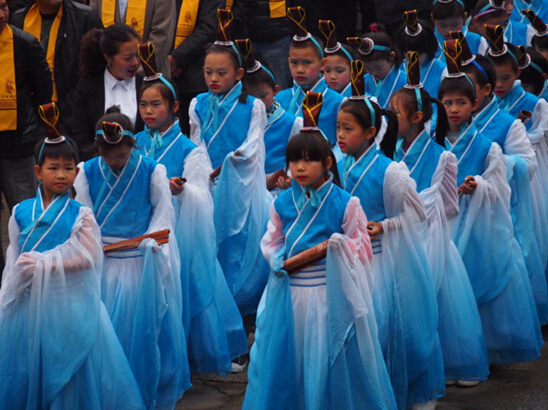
[(229, 125), (141, 288), (540, 38), (527, 202), (483, 231), (418, 36), (281, 125), (316, 344), (539, 7), (306, 63), (403, 292), (213, 325), (59, 350), (534, 72), (338, 58), (448, 16), (435, 172), (539, 44), (383, 64)]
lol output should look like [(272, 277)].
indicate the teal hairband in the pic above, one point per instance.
[(229, 44), (160, 77), (269, 72), (371, 111), (48, 141), (536, 67), (311, 37), (116, 141)]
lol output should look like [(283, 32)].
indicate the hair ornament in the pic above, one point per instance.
[(246, 51), (49, 113), (312, 106), (412, 25), (369, 46), (297, 16), (414, 76), (448, 2), (329, 33), (112, 132), (524, 60), (146, 54), (453, 53), (541, 29), (491, 7), (224, 26), (466, 56), (357, 80), (374, 28)]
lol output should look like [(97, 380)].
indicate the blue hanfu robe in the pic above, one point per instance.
[(476, 43), (316, 344), (527, 200), (212, 322), (291, 100), (519, 33), (383, 89), (240, 197), (538, 6), (403, 295), (459, 327), (484, 236), (141, 288), (59, 350), (280, 127)]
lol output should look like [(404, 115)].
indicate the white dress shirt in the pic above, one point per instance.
[(121, 93)]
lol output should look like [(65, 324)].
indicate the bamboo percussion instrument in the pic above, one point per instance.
[(306, 258), (524, 115), (216, 173), (272, 179), (161, 237)]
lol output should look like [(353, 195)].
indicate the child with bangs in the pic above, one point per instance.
[(534, 74), (449, 16), (306, 63), (483, 231)]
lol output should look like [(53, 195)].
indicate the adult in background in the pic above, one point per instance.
[(59, 26), (109, 61), (25, 83), (196, 27), (154, 20)]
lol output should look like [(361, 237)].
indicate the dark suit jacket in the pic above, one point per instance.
[(89, 107)]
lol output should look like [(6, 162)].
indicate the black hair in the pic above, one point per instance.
[(163, 89), (382, 39), (487, 66), (360, 111), (309, 43), (458, 85), (65, 150), (442, 11), (314, 146), (113, 114), (424, 42), (260, 76), (530, 75), (507, 57), (98, 42), (481, 4), (540, 42), (411, 107), (350, 50), (235, 59)]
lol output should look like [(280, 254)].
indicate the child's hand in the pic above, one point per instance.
[(176, 186), (26, 263), (468, 187), (283, 182), (374, 229)]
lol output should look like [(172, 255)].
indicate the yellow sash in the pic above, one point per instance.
[(187, 20), (33, 25), (8, 94), (229, 4), (277, 8), (135, 14)]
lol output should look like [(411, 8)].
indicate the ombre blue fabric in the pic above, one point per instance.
[(538, 6), (383, 89), (59, 349), (330, 107), (485, 239), (518, 100), (348, 369), (213, 324), (517, 33), (385, 190), (280, 127), (459, 326)]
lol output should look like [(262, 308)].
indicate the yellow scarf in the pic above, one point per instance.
[(187, 20), (33, 25), (135, 14), (8, 94), (277, 8)]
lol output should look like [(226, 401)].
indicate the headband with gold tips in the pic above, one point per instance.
[(312, 106)]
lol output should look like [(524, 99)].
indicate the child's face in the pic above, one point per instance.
[(337, 72), (493, 19), (482, 93), (154, 109), (459, 109), (116, 156), (57, 175), (444, 26), (509, 6), (505, 78), (305, 66), (405, 124), (264, 92), (542, 51), (220, 74), (351, 137), (379, 69), (307, 172)]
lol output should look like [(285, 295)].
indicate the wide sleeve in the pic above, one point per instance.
[(518, 144), (163, 215), (297, 127), (196, 132), (273, 241), (81, 186)]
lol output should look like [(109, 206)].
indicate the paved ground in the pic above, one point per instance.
[(519, 386)]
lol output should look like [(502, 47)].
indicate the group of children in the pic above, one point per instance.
[(434, 211)]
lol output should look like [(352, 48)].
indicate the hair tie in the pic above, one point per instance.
[(374, 28), (448, 2), (412, 26), (146, 54), (224, 25), (371, 112), (490, 7), (297, 16), (112, 132), (245, 49), (479, 67)]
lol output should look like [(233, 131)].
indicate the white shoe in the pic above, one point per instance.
[(450, 383), (430, 405), (464, 383), (240, 363)]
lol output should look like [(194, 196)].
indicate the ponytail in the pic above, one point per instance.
[(442, 125), (388, 143)]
